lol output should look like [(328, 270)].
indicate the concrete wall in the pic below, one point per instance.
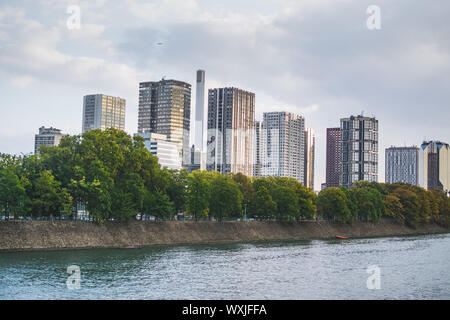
[(31, 235)]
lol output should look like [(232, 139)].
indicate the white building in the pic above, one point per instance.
[(283, 145), (101, 111), (48, 137), (167, 152), (402, 165)]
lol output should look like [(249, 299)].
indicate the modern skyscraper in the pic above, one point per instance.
[(199, 139), (166, 152), (310, 140), (165, 108), (359, 150), (258, 149), (101, 111), (198, 149), (231, 127), (435, 165), (47, 136), (402, 165), (333, 166), (283, 141)]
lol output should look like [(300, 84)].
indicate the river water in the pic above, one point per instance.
[(408, 268)]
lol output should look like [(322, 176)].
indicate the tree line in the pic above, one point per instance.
[(115, 177)]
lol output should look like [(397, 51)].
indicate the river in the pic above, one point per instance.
[(401, 268)]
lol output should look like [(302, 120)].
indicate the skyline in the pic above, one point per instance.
[(314, 58)]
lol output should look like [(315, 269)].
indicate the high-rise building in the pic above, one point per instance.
[(283, 145), (48, 137), (359, 143), (258, 149), (166, 152), (231, 127), (435, 165), (101, 111), (165, 108), (310, 140), (333, 165), (402, 165), (198, 149), (199, 138)]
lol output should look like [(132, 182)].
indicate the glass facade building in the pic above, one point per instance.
[(101, 111), (166, 152), (231, 128), (165, 108)]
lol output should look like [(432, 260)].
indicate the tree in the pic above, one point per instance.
[(177, 189), (48, 198), (307, 200), (13, 197), (262, 206), (225, 199), (198, 194), (332, 203), (158, 205), (394, 208), (369, 203), (245, 186), (128, 197)]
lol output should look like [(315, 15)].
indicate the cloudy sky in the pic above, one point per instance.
[(316, 58)]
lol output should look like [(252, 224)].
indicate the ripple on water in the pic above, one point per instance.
[(411, 268)]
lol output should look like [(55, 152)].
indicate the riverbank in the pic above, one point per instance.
[(38, 235)]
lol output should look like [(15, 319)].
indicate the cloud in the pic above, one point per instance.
[(295, 55), (22, 81)]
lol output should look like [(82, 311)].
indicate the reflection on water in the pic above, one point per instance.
[(411, 268)]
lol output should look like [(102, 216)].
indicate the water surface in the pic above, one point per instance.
[(410, 268)]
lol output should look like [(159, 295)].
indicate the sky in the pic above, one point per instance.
[(316, 58)]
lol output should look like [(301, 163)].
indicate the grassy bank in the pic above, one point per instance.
[(37, 235)]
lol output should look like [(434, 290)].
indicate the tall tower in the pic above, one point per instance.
[(333, 166), (231, 128), (198, 156), (199, 140), (283, 145), (257, 165), (165, 108), (435, 165), (310, 141), (359, 156), (101, 111)]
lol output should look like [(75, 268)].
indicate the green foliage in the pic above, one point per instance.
[(333, 203), (177, 188), (225, 198), (198, 194), (158, 205), (115, 177), (48, 198), (262, 206), (13, 198)]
